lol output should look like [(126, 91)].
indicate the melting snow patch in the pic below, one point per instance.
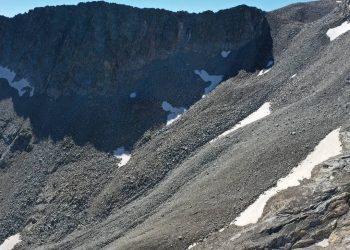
[(213, 79), (267, 70), (262, 112), (327, 148), (225, 54), (338, 31), (122, 155), (323, 243), (133, 95), (192, 246), (175, 113), (263, 72), (11, 242), (21, 86)]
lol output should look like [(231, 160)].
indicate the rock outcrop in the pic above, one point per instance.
[(314, 215)]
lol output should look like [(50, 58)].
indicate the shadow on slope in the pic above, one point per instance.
[(114, 119)]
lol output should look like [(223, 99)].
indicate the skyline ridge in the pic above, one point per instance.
[(11, 8)]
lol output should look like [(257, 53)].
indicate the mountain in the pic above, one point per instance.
[(79, 82), (95, 57)]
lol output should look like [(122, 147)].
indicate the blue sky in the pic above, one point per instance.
[(13, 7)]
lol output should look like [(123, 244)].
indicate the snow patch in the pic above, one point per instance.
[(225, 53), (323, 243), (329, 147), (123, 155), (263, 72), (133, 95), (213, 79), (267, 70), (338, 31), (21, 86), (11, 242), (262, 112), (192, 246), (175, 113)]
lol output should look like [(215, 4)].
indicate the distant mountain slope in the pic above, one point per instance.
[(287, 22)]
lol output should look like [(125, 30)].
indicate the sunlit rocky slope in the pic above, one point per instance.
[(212, 110)]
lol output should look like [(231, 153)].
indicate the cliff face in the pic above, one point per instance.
[(91, 48), (113, 65)]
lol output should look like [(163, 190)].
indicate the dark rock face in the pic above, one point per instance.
[(88, 59), (92, 47)]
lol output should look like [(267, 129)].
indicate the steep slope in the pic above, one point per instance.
[(78, 82), (287, 22), (314, 215), (179, 187), (185, 182), (220, 180)]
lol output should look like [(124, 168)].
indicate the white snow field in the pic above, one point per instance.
[(329, 147), (213, 79), (122, 155), (334, 33), (262, 112), (10, 242), (20, 85), (175, 113), (192, 246)]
